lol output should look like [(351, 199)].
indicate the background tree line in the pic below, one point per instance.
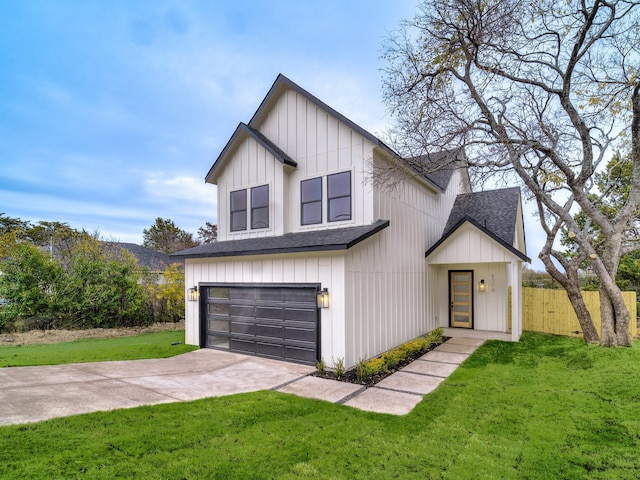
[(53, 276)]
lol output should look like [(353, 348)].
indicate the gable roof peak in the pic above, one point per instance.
[(494, 210), (245, 131)]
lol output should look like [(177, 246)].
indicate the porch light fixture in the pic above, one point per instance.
[(482, 286), (193, 294), (323, 298)]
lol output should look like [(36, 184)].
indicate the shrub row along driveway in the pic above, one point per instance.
[(31, 394)]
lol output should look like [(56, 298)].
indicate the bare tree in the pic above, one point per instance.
[(208, 233), (546, 90)]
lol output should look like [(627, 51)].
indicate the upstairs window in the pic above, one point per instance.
[(238, 210), (260, 207), (311, 200), (339, 196)]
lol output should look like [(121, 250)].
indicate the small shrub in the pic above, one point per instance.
[(361, 370), (393, 357), (375, 366), (321, 366), (338, 367)]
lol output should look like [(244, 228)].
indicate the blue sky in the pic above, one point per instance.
[(111, 113)]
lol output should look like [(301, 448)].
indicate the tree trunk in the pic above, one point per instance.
[(571, 283), (615, 320), (589, 332)]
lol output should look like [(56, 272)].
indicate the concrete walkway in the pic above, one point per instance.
[(400, 392), (32, 394)]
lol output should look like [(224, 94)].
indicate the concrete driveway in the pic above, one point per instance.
[(32, 394)]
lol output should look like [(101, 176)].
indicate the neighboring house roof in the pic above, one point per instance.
[(309, 241), (438, 180), (494, 212), (147, 257)]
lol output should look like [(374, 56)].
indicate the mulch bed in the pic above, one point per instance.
[(350, 375)]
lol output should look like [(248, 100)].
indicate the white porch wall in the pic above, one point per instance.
[(326, 269), (489, 307)]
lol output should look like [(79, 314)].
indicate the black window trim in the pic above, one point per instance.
[(232, 211), (253, 209), (339, 196)]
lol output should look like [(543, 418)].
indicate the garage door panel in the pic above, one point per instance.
[(218, 309), (218, 341), (242, 345), (218, 325), (270, 349), (242, 293), (299, 354), (270, 312), (273, 331), (301, 315), (269, 294), (218, 292), (244, 328), (272, 321), (303, 295), (301, 334), (242, 310)]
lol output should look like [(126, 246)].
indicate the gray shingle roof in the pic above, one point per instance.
[(311, 241), (147, 257), (493, 211), (436, 167)]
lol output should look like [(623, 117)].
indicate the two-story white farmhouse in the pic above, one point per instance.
[(314, 260)]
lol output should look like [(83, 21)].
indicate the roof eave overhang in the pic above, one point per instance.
[(242, 132), (381, 225)]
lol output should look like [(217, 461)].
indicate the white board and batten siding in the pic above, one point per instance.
[(470, 245), (321, 145), (386, 275), (326, 269), (251, 165)]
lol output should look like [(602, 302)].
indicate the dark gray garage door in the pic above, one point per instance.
[(266, 320)]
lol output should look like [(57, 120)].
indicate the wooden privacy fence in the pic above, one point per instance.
[(550, 311)]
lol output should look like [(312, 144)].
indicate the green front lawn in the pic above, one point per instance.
[(547, 407), (149, 345)]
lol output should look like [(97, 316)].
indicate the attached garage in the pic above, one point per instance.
[(269, 320)]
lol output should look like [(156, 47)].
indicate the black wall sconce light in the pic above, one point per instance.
[(323, 298), (193, 294)]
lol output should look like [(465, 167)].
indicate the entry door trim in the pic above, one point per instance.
[(452, 322)]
